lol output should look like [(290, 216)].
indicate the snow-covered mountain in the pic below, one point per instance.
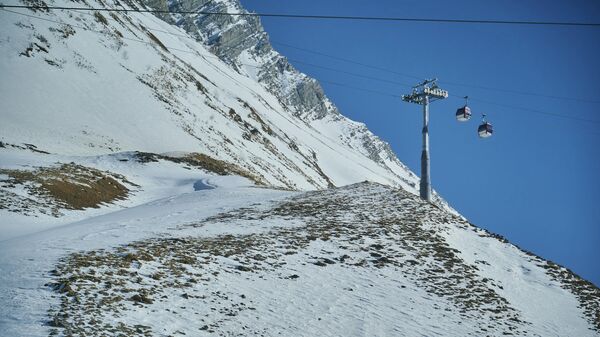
[(91, 83), (241, 42), (151, 177)]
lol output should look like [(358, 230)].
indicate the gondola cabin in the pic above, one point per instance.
[(485, 130), (463, 114)]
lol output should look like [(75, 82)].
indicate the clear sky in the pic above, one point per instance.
[(537, 180)]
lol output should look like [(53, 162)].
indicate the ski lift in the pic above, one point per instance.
[(464, 114), (485, 130)]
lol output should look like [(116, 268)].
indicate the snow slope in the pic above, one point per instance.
[(242, 43), (148, 182), (25, 261), (365, 259), (89, 83)]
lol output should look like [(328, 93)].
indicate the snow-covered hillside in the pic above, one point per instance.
[(92, 83), (231, 259), (242, 43)]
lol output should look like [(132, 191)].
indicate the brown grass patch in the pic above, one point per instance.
[(71, 186)]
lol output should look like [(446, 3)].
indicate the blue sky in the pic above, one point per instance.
[(536, 181)]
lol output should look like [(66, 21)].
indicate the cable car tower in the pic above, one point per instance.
[(423, 94)]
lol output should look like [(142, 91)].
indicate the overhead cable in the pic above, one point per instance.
[(319, 17)]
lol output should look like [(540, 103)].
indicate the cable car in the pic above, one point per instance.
[(464, 114), (485, 130)]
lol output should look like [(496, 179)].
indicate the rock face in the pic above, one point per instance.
[(242, 42)]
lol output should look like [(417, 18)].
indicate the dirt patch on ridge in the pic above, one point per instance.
[(68, 186)]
